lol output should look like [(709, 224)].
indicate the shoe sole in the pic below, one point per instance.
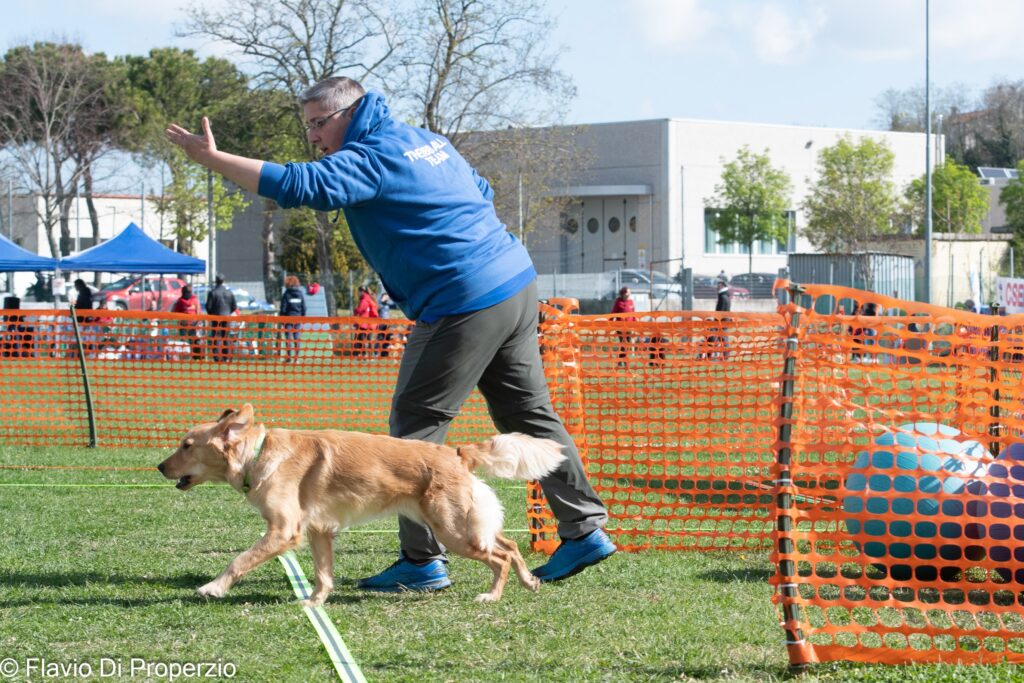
[(431, 587), (577, 569)]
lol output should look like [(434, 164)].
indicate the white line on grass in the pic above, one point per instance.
[(342, 659)]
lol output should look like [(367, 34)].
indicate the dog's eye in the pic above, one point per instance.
[(186, 444)]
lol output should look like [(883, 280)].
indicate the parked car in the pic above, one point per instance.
[(657, 283), (247, 303), (758, 284), (706, 287), (127, 294)]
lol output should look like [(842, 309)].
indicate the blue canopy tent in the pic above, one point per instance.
[(16, 259), (132, 251)]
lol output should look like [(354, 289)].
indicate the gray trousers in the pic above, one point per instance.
[(496, 350)]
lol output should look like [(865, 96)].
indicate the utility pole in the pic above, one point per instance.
[(927, 159), (10, 227)]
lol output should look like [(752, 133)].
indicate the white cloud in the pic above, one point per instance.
[(980, 31), (780, 36), (677, 25)]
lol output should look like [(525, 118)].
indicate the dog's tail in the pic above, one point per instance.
[(513, 456)]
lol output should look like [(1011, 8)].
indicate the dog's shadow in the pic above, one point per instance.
[(118, 590)]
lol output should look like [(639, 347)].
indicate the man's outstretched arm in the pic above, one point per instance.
[(202, 149)]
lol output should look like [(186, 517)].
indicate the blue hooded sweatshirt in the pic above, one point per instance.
[(419, 213)]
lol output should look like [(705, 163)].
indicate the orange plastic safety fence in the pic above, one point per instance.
[(673, 416), (154, 375), (900, 482)]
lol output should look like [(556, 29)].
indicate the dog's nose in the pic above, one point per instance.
[(161, 468)]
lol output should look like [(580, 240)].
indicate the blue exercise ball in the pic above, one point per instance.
[(924, 457)]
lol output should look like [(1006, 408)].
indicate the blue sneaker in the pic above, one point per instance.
[(574, 556), (405, 575)]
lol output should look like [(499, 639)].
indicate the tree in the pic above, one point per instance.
[(292, 44), (264, 125), (476, 65), (904, 110), (959, 202), (853, 200), (187, 201), (524, 168), (1001, 134), (979, 131), (173, 85), (751, 201), (1012, 197), (46, 91), (489, 66)]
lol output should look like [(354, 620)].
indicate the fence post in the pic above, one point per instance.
[(796, 644), (994, 429), (85, 379)]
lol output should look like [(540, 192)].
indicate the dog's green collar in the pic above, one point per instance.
[(255, 457)]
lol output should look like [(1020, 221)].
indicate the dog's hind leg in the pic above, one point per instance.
[(526, 577), (277, 540), (497, 559), (321, 543)]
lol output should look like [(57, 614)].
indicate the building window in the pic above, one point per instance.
[(593, 226), (632, 223), (570, 225), (614, 224), (761, 247)]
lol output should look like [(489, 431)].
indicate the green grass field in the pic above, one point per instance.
[(91, 570)]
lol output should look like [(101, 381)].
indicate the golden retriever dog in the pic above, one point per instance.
[(315, 482)]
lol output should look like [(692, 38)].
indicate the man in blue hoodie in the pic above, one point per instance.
[(425, 222)]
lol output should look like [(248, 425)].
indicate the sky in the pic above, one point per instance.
[(807, 62)]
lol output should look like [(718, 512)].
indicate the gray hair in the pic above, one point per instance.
[(333, 93)]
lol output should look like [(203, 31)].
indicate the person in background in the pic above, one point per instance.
[(41, 290), (83, 297), (385, 336), (84, 302), (425, 222), (293, 303), (384, 305), (724, 301), (624, 304), (220, 301), (188, 304), (365, 308)]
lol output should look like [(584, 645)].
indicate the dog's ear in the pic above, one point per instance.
[(227, 412), (234, 423)]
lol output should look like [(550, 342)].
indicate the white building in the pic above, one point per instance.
[(643, 198)]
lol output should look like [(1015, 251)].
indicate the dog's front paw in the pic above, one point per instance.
[(313, 602), (486, 597), (211, 590)]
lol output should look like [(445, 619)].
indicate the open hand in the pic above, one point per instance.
[(199, 148)]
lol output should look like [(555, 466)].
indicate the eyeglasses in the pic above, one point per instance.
[(317, 124)]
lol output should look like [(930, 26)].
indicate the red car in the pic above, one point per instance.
[(127, 294)]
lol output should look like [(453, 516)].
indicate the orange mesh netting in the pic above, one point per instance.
[(881, 450), (900, 482), (673, 414), (153, 375)]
